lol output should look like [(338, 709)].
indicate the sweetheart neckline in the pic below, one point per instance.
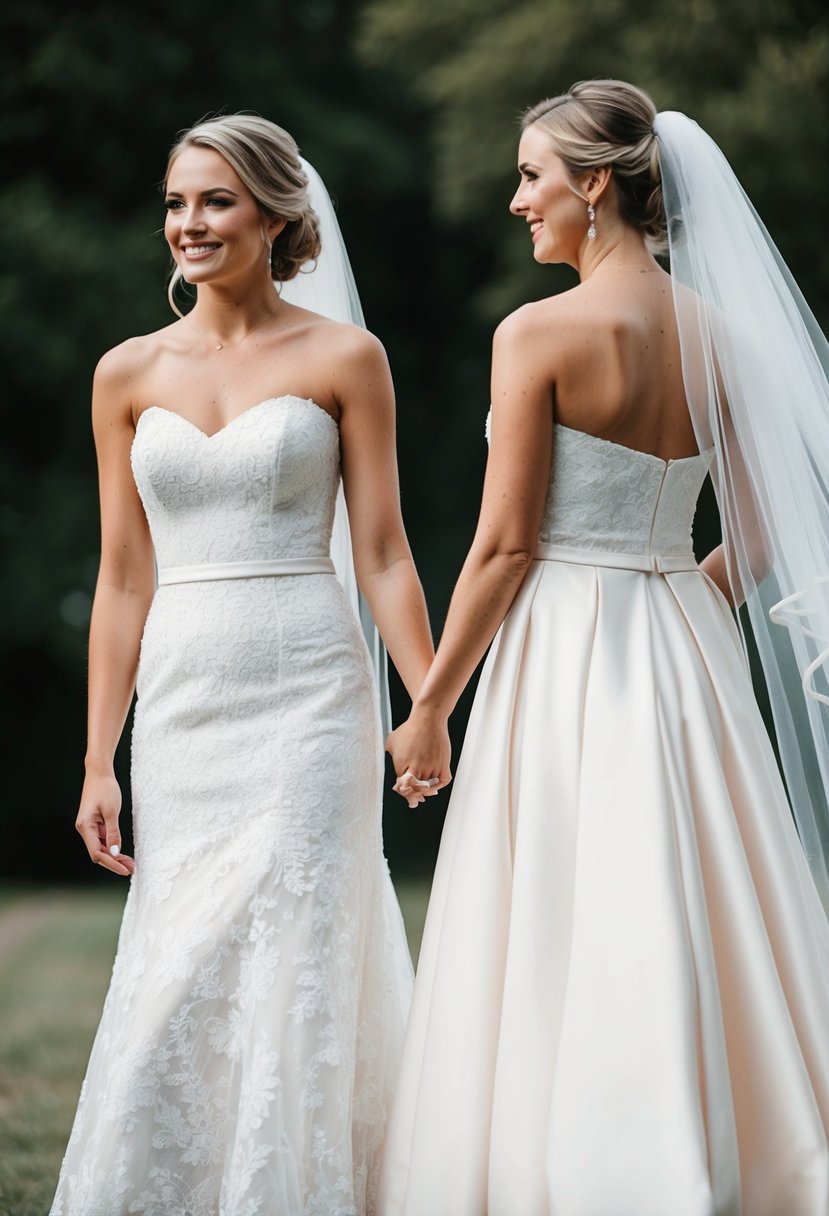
[(250, 409)]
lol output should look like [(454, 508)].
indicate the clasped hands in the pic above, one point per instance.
[(421, 753)]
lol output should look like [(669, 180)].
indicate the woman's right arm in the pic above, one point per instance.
[(125, 587), (515, 489)]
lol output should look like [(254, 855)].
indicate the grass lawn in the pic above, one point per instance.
[(56, 952)]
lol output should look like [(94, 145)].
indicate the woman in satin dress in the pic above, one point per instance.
[(622, 998), (252, 1030)]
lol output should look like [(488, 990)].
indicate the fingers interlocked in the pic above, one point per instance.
[(415, 789)]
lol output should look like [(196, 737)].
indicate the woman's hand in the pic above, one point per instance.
[(97, 823), (421, 753)]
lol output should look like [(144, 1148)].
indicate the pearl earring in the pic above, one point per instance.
[(591, 215)]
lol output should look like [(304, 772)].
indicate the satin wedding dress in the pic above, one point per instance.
[(622, 1001), (251, 1034)]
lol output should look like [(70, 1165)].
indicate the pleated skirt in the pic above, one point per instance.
[(622, 1000)]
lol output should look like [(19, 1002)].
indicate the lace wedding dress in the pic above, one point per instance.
[(622, 1001), (252, 1030)]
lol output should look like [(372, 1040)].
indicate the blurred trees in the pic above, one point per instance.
[(754, 73), (410, 112)]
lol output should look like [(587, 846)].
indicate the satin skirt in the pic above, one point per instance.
[(622, 1001)]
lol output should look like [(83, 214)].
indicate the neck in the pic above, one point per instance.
[(229, 311), (624, 248)]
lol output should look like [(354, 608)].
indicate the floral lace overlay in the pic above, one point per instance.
[(251, 1032), (606, 497)]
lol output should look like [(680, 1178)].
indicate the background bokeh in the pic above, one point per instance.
[(409, 110)]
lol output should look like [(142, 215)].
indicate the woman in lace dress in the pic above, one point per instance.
[(622, 999), (251, 1032)]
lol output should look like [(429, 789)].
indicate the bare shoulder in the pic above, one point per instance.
[(520, 325), (359, 367), (119, 364), (545, 319), (121, 371), (346, 347), (123, 363), (525, 345), (351, 343)]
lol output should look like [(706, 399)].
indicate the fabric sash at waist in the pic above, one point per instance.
[(211, 571), (648, 563)]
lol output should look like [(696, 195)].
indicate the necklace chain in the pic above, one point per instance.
[(221, 345)]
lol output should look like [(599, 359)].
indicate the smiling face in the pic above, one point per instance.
[(547, 200), (214, 226)]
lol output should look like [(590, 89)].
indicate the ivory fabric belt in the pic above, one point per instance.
[(649, 563), (211, 571)]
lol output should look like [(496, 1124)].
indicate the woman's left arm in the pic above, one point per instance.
[(515, 488), (383, 561)]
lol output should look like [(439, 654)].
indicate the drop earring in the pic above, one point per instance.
[(591, 213), (268, 246)]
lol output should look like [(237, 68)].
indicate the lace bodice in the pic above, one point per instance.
[(250, 1040), (603, 496), (609, 497), (221, 499)]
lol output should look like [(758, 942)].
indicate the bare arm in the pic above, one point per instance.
[(746, 546), (744, 558), (714, 565), (122, 598), (505, 540), (382, 558)]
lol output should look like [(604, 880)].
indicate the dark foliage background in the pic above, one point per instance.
[(409, 111)]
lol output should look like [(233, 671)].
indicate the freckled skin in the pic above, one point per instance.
[(611, 353), (602, 358)]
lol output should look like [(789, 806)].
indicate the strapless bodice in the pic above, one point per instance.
[(607, 498), (262, 488)]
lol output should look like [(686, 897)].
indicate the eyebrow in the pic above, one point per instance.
[(205, 193), (527, 164)]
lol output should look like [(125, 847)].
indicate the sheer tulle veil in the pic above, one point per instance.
[(328, 288), (756, 369)]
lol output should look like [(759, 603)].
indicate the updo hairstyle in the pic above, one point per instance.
[(266, 158), (609, 122)]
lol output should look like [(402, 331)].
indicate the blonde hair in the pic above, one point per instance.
[(608, 122), (266, 158)]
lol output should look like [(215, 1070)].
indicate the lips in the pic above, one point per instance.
[(195, 253), (535, 228)]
